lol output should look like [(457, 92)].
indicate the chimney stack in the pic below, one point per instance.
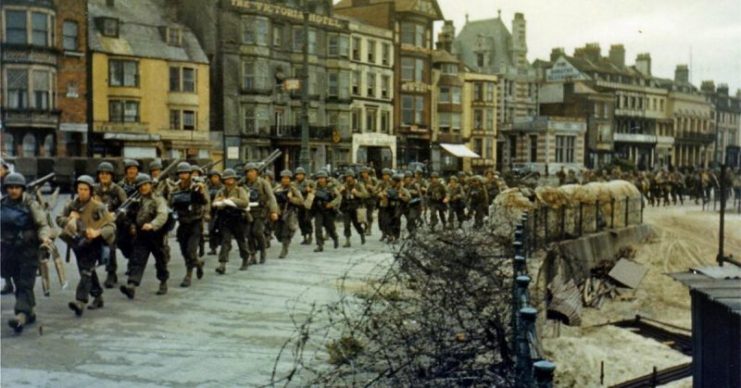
[(723, 89), (682, 74), (446, 36), (590, 51), (556, 53), (643, 63), (707, 87), (617, 55)]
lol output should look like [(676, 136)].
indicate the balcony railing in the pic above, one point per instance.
[(294, 132), (31, 117), (701, 138)]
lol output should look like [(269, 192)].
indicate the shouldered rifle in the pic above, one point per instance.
[(208, 166), (135, 197), (39, 182), (265, 163)]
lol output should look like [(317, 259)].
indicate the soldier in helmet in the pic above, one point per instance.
[(324, 200), (150, 230), (128, 183), (289, 200), (413, 208), (189, 200), (392, 201), (125, 220), (4, 171), (353, 195), (24, 229), (87, 226), (304, 216), (112, 195), (436, 193), (384, 211), (478, 200), (213, 185), (262, 205), (161, 186), (231, 203), (370, 182), (456, 201)]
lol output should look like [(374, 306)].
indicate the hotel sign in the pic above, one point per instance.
[(291, 13)]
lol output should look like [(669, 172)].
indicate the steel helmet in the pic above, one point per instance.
[(105, 167), (86, 179), (287, 173), (15, 179), (142, 179), (183, 167)]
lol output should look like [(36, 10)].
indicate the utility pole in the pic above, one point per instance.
[(304, 153)]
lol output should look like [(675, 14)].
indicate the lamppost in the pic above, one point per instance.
[(304, 153)]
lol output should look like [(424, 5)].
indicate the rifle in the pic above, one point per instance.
[(264, 164), (208, 166), (39, 181), (124, 207)]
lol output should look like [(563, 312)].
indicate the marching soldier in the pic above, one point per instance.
[(456, 202), (392, 201), (8, 287), (289, 200), (261, 195), (413, 208), (324, 200), (478, 200), (124, 221), (353, 195), (383, 209), (87, 226), (149, 231), (112, 195), (131, 170), (436, 193), (189, 200), (231, 203), (213, 186), (370, 182), (492, 185), (24, 230), (162, 186), (304, 216)]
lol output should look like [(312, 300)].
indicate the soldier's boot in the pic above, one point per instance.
[(8, 288), (284, 250), (97, 303), (252, 259), (16, 323), (199, 269), (336, 242), (163, 288), (110, 280), (187, 278), (262, 256), (362, 238), (319, 248), (221, 269), (245, 264), (307, 240), (347, 243), (129, 290), (77, 306)]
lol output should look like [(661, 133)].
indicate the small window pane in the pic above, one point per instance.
[(174, 79), (40, 25), (189, 120), (69, 35), (15, 29), (189, 80), (174, 119)]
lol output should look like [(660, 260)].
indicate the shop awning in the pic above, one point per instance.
[(459, 150)]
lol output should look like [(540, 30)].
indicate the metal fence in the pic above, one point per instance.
[(547, 225), (532, 370), (732, 200)]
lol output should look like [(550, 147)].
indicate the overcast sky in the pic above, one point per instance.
[(668, 29)]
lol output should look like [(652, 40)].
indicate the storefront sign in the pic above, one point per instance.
[(292, 13)]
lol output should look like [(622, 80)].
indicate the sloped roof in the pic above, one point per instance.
[(490, 34), (399, 5), (140, 23)]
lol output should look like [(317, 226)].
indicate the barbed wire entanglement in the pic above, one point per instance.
[(440, 315)]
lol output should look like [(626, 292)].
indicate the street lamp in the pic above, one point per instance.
[(304, 153)]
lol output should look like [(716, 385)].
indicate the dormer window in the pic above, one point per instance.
[(109, 27), (174, 36)]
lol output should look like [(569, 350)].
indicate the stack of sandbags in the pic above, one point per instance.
[(554, 201), (575, 195), (506, 211)]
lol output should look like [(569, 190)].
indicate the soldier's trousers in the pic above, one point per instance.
[(371, 207), (255, 233), (147, 243), (413, 215), (88, 256), (20, 264), (390, 219), (324, 219), (456, 213), (478, 216), (232, 228), (304, 221), (214, 234), (112, 266), (124, 241), (350, 216), (286, 226), (437, 214), (189, 237)]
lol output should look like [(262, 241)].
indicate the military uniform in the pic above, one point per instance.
[(24, 227), (124, 221), (456, 202), (214, 234), (392, 199), (324, 200), (413, 208), (436, 193), (478, 201), (112, 195), (189, 201), (353, 195), (261, 195), (371, 202), (152, 211), (92, 215), (290, 201), (304, 215), (232, 220)]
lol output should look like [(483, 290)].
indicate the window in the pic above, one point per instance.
[(333, 84), (356, 114), (189, 80), (248, 75), (41, 90), (478, 146), (174, 119), (255, 30), (69, 35), (565, 149), (249, 119), (279, 121), (512, 148), (386, 54), (356, 75), (277, 36), (40, 29), (371, 51), (413, 34), (174, 79), (9, 145), (490, 121), (450, 68), (333, 45), (356, 42), (313, 48), (412, 69), (412, 108), (370, 120), (385, 121), (123, 111), (298, 39), (371, 84), (455, 95), (123, 73), (480, 60), (29, 146), (455, 122), (189, 120), (489, 149), (444, 95), (17, 88), (15, 27), (533, 148), (478, 91), (385, 86), (110, 27), (344, 46), (174, 36), (443, 122), (478, 119), (489, 92)]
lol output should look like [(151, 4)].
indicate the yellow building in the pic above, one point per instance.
[(150, 83)]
